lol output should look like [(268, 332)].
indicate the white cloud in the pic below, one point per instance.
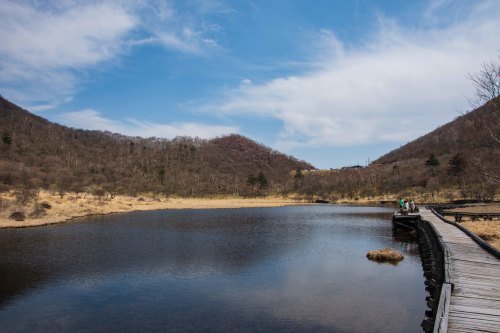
[(183, 32), (173, 41), (41, 47), (398, 85), (93, 120), (49, 106), (77, 36), (246, 82), (42, 107), (46, 47)]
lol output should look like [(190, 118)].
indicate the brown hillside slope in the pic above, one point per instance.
[(469, 132), (37, 153), (466, 166)]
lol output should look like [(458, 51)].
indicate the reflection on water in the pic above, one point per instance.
[(283, 269)]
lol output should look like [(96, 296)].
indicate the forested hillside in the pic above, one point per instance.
[(36, 153), (459, 160), (467, 133)]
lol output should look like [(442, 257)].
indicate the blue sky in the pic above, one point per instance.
[(332, 82)]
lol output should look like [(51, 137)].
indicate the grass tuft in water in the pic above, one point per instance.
[(385, 255)]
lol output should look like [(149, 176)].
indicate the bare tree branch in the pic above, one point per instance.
[(486, 83)]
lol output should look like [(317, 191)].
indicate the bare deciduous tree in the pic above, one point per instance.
[(487, 90), (486, 83)]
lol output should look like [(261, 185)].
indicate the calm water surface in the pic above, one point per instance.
[(288, 269)]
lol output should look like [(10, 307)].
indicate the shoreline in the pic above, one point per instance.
[(76, 206), (72, 206)]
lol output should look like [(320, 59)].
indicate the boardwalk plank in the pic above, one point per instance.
[(466, 318), (473, 308), (475, 300), (477, 324)]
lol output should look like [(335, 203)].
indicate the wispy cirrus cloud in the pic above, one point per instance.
[(186, 31), (93, 120), (402, 82), (46, 48), (74, 36), (42, 47)]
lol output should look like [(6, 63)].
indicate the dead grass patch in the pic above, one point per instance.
[(71, 206), (385, 255), (489, 231), (485, 208)]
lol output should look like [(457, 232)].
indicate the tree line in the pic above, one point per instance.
[(458, 161), (36, 153), (461, 157)]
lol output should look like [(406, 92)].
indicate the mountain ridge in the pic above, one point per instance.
[(41, 153), (464, 133), (37, 152), (458, 160)]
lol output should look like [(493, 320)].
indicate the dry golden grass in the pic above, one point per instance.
[(484, 208), (385, 255), (420, 198), (489, 231), (72, 205)]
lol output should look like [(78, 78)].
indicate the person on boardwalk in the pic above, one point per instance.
[(412, 206)]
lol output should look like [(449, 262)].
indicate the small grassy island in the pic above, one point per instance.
[(385, 255)]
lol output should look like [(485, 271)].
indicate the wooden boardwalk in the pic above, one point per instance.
[(475, 299), (405, 221)]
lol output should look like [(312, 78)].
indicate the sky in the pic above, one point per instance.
[(335, 83)]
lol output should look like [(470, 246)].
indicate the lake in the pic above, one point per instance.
[(285, 269)]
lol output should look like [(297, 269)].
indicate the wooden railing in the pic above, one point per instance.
[(472, 235), (474, 216), (436, 262)]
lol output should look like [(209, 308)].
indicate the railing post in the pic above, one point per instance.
[(434, 261)]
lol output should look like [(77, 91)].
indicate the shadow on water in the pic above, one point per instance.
[(268, 269), (407, 239)]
